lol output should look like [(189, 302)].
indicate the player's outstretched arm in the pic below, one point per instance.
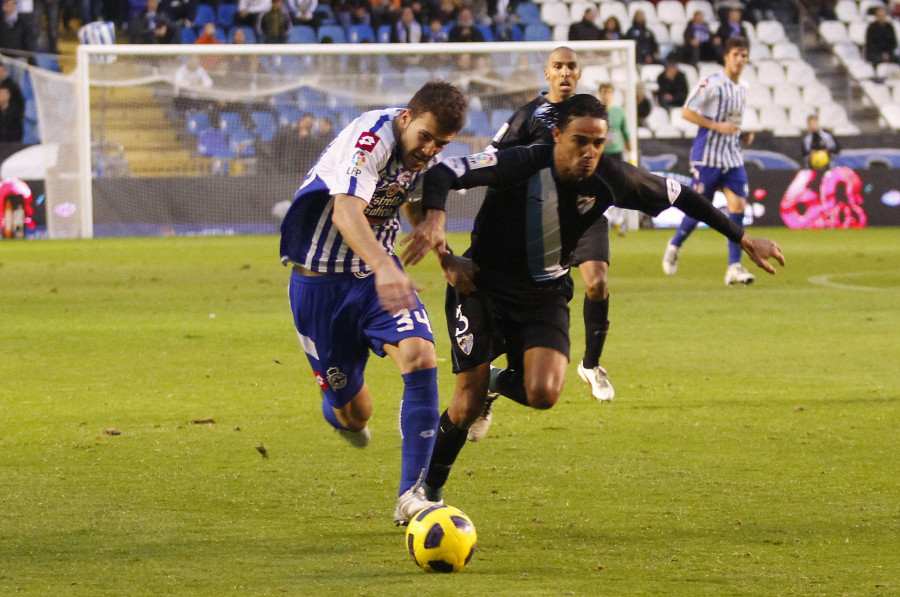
[(459, 271), (760, 250), (428, 234)]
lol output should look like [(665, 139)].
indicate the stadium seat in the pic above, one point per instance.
[(416, 76), (887, 70), (308, 98), (650, 72), (832, 114), (556, 13), (671, 11), (528, 13), (773, 117), (833, 31), (786, 94), (799, 73), (31, 110), (798, 114), (221, 35), (48, 62), (225, 14), (231, 122), (486, 32), (648, 7), (499, 118), (31, 134), (690, 73), (560, 33), (760, 96), (856, 32), (302, 34), (847, 11), (591, 77), (612, 9), (242, 144), (760, 52), (188, 35), (705, 69), (287, 114), (538, 32), (264, 125), (515, 30), (359, 33), (478, 124), (383, 35), (770, 32), (205, 14), (770, 73), (890, 113), (197, 122), (578, 8), (846, 52), (703, 6), (688, 128), (750, 121), (662, 35), (334, 32), (748, 76), (860, 69), (876, 94), (815, 93), (213, 144), (786, 50), (249, 35)]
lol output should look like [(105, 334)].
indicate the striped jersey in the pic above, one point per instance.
[(364, 161), (720, 99)]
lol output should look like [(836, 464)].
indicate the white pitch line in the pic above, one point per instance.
[(825, 280)]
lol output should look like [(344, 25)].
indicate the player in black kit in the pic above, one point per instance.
[(533, 123), (510, 291)]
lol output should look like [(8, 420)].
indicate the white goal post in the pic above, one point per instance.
[(159, 153)]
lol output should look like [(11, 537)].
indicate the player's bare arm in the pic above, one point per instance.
[(726, 128), (428, 234), (395, 289), (459, 272), (760, 250)]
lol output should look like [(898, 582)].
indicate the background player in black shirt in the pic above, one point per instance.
[(510, 291), (533, 123)]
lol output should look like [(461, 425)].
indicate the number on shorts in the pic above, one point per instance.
[(405, 320)]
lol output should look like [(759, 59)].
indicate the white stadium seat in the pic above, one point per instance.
[(692, 6), (786, 50), (670, 11), (847, 11), (613, 9), (578, 8), (556, 13), (846, 52), (798, 114), (875, 94), (856, 32), (688, 128), (650, 72), (769, 72), (648, 7), (760, 52), (760, 96), (860, 69), (770, 32), (786, 95), (891, 114), (815, 93), (887, 70), (705, 69), (560, 33), (690, 73), (750, 121), (799, 72), (832, 114), (833, 31), (773, 117)]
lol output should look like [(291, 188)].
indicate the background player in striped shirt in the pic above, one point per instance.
[(716, 106), (348, 291)]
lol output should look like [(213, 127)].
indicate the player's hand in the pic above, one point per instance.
[(459, 272), (760, 250), (395, 289), (427, 236), (727, 128)]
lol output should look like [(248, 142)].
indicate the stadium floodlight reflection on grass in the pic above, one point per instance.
[(136, 145)]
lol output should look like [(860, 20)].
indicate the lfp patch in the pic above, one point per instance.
[(481, 160)]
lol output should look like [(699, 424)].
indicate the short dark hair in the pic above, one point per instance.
[(738, 41), (581, 104), (442, 99)]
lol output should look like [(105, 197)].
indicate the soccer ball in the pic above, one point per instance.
[(441, 539), (819, 159)]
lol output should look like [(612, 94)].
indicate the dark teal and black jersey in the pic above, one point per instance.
[(532, 123), (530, 220)]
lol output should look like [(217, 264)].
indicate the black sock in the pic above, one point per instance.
[(511, 384), (596, 326), (450, 440)]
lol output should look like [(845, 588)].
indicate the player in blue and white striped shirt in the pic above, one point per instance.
[(348, 291), (716, 106)]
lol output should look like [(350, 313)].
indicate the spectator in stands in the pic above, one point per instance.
[(90, 11), (672, 85), (465, 30), (435, 32), (352, 12), (293, 146), (407, 30), (733, 26), (817, 139), (821, 10), (722, 7), (12, 120), (611, 29), (759, 10), (15, 34), (152, 26), (249, 12), (698, 40), (586, 29), (189, 78), (275, 24), (881, 39), (303, 12), (645, 47), (16, 97), (46, 11), (507, 24), (642, 102), (183, 12), (208, 37)]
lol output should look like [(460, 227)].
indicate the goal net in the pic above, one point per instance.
[(200, 139)]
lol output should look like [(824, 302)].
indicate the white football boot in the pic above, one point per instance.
[(597, 378), (480, 427), (357, 439), (736, 274), (411, 502), (670, 259)]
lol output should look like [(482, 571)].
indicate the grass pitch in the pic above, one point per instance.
[(162, 435)]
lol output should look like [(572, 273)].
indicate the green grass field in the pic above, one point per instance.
[(751, 449)]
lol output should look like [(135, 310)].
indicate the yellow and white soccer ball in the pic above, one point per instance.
[(819, 159), (441, 539)]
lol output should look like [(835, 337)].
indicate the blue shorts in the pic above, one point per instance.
[(339, 319), (707, 180)]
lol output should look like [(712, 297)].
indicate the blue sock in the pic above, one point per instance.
[(329, 415), (734, 249), (419, 418), (684, 230)]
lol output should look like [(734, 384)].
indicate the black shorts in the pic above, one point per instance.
[(507, 319), (593, 244)]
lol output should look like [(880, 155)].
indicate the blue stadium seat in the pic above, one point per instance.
[(231, 122), (358, 33), (188, 35), (205, 14), (335, 32), (197, 122), (288, 114), (538, 32), (242, 144), (221, 36), (456, 148), (286, 98), (486, 31), (225, 14), (213, 144), (307, 98), (31, 133), (48, 61), (515, 33), (499, 118), (529, 13), (478, 124), (136, 6), (249, 35), (30, 110), (383, 35), (302, 34), (263, 125)]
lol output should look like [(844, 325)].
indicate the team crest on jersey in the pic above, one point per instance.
[(481, 160), (465, 342), (704, 82), (320, 379), (367, 141), (337, 379), (585, 204), (673, 189), (698, 186)]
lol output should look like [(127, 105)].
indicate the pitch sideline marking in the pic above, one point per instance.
[(825, 280)]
